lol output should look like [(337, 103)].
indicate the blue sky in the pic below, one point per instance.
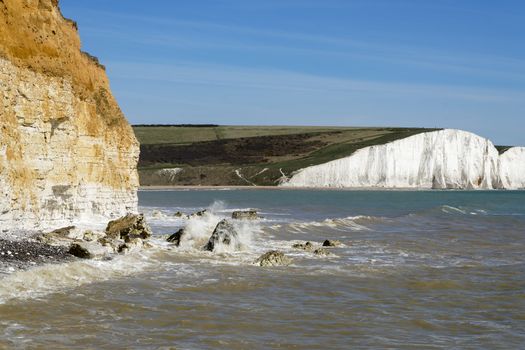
[(432, 63)]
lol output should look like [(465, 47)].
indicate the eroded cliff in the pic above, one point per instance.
[(512, 168), (67, 154), (446, 159)]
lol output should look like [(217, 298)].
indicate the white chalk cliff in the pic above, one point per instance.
[(512, 168), (67, 154), (445, 159)]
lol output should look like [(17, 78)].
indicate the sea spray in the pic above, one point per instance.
[(199, 228), (51, 278)]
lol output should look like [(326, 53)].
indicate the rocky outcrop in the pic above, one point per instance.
[(89, 250), (67, 154), (331, 243), (176, 237), (128, 227), (273, 258), (245, 215), (123, 235), (224, 235), (322, 252), (445, 159), (304, 246), (512, 168)]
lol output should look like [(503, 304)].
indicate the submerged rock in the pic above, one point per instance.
[(88, 250), (90, 236), (224, 234), (306, 246), (273, 258), (176, 237), (132, 244), (331, 243), (245, 214), (322, 252), (131, 225), (199, 213), (112, 244)]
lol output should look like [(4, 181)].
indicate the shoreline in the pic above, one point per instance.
[(16, 255), (283, 188)]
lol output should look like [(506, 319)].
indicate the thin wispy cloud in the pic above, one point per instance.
[(477, 64), (218, 75), (346, 62)]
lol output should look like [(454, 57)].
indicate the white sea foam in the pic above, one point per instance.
[(338, 224), (198, 230), (50, 278)]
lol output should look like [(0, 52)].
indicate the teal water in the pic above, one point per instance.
[(417, 270)]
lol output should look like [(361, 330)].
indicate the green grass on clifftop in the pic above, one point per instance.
[(248, 155)]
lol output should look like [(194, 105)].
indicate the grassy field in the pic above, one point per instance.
[(241, 155), (151, 135)]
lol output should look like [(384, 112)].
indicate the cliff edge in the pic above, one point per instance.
[(445, 159), (67, 154)]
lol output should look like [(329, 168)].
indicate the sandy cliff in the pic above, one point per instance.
[(66, 151), (452, 159)]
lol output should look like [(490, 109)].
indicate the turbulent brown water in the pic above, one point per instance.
[(418, 270)]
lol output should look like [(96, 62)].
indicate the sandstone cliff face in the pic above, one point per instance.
[(452, 159), (67, 153)]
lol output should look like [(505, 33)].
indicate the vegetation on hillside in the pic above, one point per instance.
[(248, 155)]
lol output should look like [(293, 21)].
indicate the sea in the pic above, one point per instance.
[(415, 270)]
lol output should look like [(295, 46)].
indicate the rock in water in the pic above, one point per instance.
[(331, 243), (306, 246), (91, 236), (322, 252), (88, 250), (199, 213), (273, 258), (224, 234), (176, 237), (66, 151), (131, 225), (131, 244), (245, 214)]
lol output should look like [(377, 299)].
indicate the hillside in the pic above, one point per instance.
[(247, 155)]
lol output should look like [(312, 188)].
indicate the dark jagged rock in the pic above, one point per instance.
[(80, 251), (322, 252), (131, 225), (306, 246), (225, 234), (89, 250), (176, 237), (199, 213), (245, 214), (273, 258), (331, 243)]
